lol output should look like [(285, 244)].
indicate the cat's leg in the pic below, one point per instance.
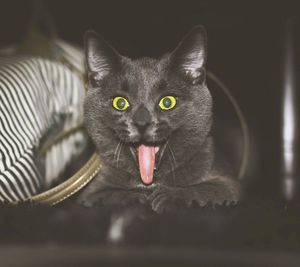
[(112, 196), (219, 190), (102, 191)]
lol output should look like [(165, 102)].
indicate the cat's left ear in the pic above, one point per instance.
[(189, 56)]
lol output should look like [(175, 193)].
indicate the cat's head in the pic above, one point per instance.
[(147, 114)]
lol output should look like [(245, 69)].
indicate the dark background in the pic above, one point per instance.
[(245, 41), (246, 50)]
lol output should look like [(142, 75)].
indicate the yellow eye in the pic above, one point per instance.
[(167, 102), (120, 103)]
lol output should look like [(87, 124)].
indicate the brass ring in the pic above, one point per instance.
[(71, 186)]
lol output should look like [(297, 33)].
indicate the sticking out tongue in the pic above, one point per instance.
[(146, 156)]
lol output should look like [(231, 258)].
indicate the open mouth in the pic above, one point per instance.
[(147, 157)]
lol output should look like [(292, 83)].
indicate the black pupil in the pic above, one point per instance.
[(121, 103), (167, 102)]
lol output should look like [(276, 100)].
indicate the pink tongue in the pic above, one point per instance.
[(146, 162)]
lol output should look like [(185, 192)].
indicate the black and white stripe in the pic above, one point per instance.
[(36, 95)]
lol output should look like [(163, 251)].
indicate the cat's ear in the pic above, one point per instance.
[(101, 58), (189, 56)]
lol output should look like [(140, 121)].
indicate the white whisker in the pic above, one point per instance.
[(173, 162), (119, 154), (116, 150)]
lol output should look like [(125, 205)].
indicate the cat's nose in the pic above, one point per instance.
[(142, 118)]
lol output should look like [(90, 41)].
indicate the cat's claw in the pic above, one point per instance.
[(169, 200), (172, 199)]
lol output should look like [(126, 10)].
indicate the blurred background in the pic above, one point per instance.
[(248, 43)]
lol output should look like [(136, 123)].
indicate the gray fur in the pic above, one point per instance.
[(186, 165)]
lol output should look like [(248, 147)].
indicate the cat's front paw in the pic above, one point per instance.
[(170, 199), (113, 197)]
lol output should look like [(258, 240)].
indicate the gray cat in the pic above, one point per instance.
[(150, 120)]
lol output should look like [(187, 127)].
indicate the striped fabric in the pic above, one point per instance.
[(38, 98)]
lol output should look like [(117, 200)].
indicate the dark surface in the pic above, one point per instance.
[(252, 224), (254, 233), (162, 256)]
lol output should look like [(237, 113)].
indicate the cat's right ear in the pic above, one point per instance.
[(189, 57), (101, 58)]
